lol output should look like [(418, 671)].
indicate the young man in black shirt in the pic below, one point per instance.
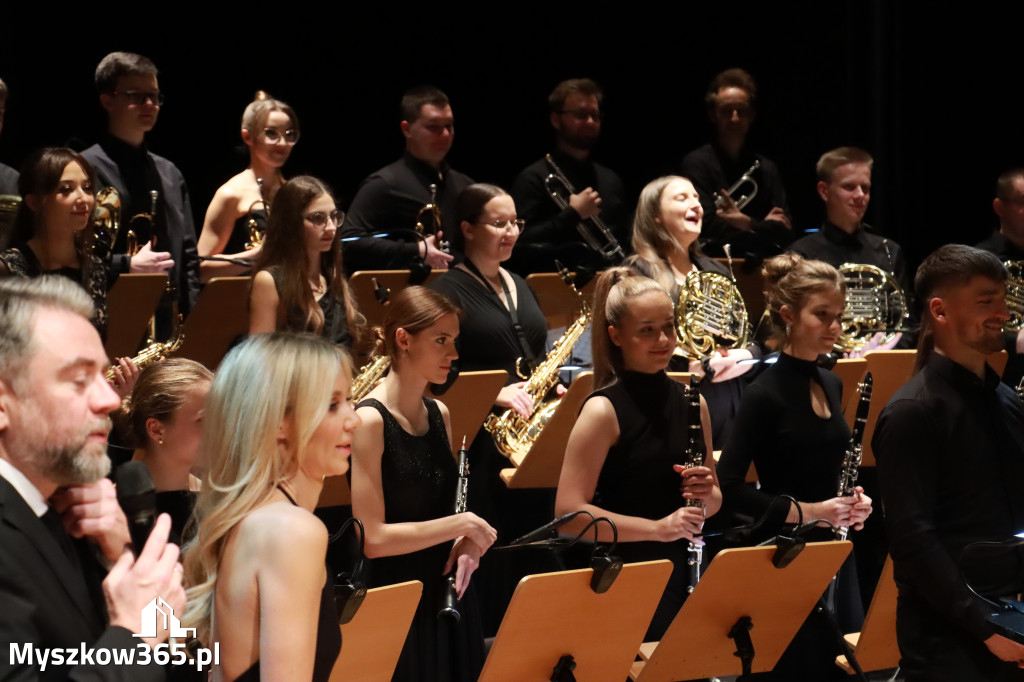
[(950, 451)]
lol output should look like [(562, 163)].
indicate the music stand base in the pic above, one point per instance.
[(740, 632), (563, 669)]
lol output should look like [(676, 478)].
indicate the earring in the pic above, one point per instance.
[(161, 441), (789, 328)]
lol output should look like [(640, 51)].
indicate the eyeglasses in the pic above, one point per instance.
[(320, 218), (501, 224), (139, 97), (583, 114), (273, 135)]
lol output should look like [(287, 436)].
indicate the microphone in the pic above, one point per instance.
[(544, 532), (137, 496)]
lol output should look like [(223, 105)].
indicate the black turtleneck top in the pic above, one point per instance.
[(796, 452), (637, 477)]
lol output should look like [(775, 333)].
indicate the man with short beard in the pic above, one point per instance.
[(551, 232), (59, 516)]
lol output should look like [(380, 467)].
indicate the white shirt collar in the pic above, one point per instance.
[(28, 492)]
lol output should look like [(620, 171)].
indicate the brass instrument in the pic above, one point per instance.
[(449, 605), (255, 232), (370, 377), (744, 199), (156, 351), (854, 453), (9, 204), (696, 454), (593, 230), (428, 220), (874, 303), (106, 221), (513, 433), (1014, 294), (139, 221), (710, 314)]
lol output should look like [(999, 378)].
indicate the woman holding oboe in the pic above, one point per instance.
[(404, 485), (791, 426)]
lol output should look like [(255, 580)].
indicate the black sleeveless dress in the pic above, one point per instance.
[(328, 635), (419, 477), (637, 478), (240, 232)]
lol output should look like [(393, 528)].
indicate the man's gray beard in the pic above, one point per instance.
[(74, 464)]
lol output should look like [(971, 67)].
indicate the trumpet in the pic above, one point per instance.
[(255, 231), (731, 192), (140, 221), (428, 220), (593, 230)]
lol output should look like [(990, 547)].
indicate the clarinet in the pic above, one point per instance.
[(450, 601), (696, 453), (854, 453)]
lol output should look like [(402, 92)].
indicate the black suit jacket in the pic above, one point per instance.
[(46, 603)]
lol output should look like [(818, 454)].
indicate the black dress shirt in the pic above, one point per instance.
[(391, 200), (711, 170), (836, 247), (998, 244), (950, 451)]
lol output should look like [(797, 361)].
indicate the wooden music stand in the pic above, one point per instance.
[(751, 286), (131, 303), (469, 401), (890, 369), (541, 466), (556, 299), (741, 583), (851, 371), (875, 645), (552, 615), (219, 317), (361, 284), (373, 639)]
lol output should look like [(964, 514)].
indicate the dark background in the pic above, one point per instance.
[(933, 93)]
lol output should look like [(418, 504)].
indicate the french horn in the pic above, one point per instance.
[(1014, 294), (874, 303)]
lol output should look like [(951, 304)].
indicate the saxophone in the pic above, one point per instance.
[(696, 454), (513, 433), (369, 377), (854, 453), (155, 352)]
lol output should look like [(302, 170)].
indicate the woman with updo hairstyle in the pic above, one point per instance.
[(791, 426), (666, 228), (501, 323), (404, 483), (52, 230), (622, 458), (300, 284), (164, 417), (270, 130), (278, 419)]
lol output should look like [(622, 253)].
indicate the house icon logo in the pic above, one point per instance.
[(151, 621)]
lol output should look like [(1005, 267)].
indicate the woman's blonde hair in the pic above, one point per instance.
[(616, 287), (789, 279), (652, 242), (266, 383)]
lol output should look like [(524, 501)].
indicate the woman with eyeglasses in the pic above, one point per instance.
[(270, 129), (299, 284), (51, 230), (502, 322)]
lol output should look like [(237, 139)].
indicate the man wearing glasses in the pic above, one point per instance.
[(762, 227), (395, 198), (147, 184), (552, 231)]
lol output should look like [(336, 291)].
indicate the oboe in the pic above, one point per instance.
[(854, 453), (696, 453), (449, 605)]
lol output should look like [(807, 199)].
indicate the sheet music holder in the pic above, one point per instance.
[(741, 583), (553, 615), (131, 303), (541, 466), (556, 299), (875, 645), (373, 639), (220, 316), (363, 290)]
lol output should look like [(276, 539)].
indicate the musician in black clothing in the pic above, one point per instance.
[(551, 232), (1008, 241), (763, 227), (392, 198), (950, 451)]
